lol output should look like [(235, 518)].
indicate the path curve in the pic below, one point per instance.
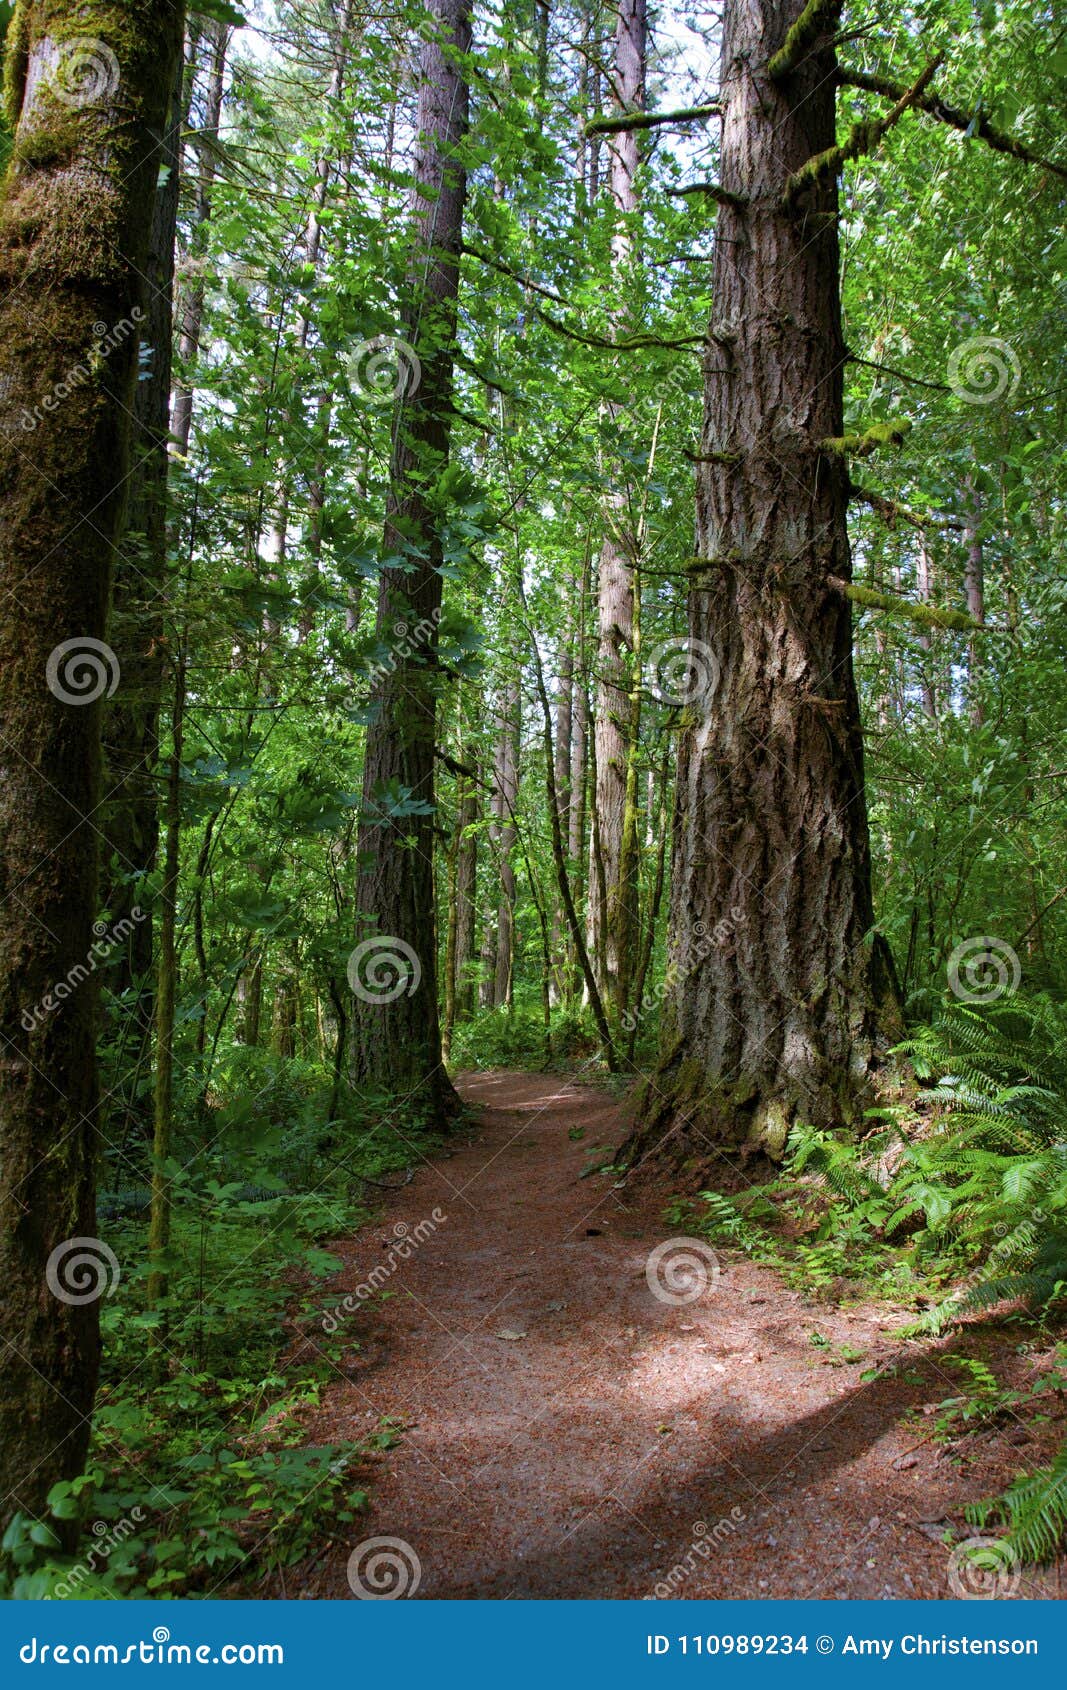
[(570, 1434)]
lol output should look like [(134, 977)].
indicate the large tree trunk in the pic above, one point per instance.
[(74, 227), (611, 918), (397, 1041), (781, 998)]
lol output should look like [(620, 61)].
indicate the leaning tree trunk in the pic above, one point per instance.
[(393, 970), (74, 227), (781, 998)]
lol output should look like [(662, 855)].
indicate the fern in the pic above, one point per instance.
[(1032, 1511)]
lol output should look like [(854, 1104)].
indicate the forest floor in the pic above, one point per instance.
[(567, 1434)]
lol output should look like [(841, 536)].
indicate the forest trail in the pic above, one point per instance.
[(570, 1435)]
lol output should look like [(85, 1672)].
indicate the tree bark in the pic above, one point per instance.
[(397, 1040), (192, 292), (974, 589), (611, 917), (782, 998), (131, 721), (506, 792), (74, 229)]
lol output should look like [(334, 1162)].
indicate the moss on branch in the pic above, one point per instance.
[(925, 615), (970, 123), (864, 138), (872, 439), (819, 18), (649, 120)]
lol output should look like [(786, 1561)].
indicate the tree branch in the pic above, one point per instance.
[(862, 445), (649, 120), (892, 511), (865, 138), (721, 196), (926, 615), (970, 123), (818, 18)]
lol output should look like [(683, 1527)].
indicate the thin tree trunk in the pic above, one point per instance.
[(611, 915), (466, 887), (782, 1000), (564, 714), (974, 589), (166, 996), (74, 230), (925, 585), (192, 291), (131, 720), (397, 1043), (506, 784)]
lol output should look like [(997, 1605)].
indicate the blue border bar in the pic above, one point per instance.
[(590, 1645)]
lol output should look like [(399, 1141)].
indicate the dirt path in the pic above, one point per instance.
[(570, 1434)]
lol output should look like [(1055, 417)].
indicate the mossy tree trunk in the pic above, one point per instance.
[(396, 1034), (75, 216), (782, 999)]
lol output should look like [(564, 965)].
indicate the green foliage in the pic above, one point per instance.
[(1032, 1512), (200, 1470)]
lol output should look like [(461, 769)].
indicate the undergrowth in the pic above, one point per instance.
[(200, 1475), (954, 1203)]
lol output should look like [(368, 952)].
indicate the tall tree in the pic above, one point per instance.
[(75, 216), (397, 1033), (613, 869), (783, 996), (131, 724)]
